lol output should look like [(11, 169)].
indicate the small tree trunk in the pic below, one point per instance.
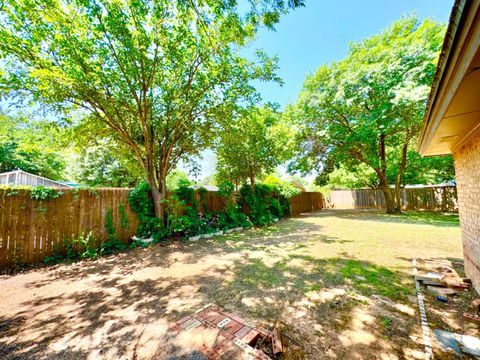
[(252, 182), (390, 199), (401, 169), (398, 199)]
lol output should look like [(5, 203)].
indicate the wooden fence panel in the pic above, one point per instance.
[(305, 202), (31, 229), (442, 198)]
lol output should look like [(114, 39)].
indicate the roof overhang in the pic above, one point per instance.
[(452, 116)]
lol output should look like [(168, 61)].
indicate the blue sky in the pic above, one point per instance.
[(320, 33)]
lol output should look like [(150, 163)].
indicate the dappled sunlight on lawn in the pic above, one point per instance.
[(337, 282)]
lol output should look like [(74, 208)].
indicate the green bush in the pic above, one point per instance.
[(83, 247), (257, 201), (141, 202), (276, 208), (186, 194), (112, 246), (265, 203), (185, 216)]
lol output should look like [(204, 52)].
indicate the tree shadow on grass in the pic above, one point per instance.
[(107, 321), (285, 234), (111, 317), (408, 217), (329, 292)]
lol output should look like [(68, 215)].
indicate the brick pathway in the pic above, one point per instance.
[(220, 335)]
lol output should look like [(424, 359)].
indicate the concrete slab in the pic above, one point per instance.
[(446, 341)]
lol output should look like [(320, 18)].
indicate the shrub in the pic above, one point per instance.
[(265, 203), (226, 189), (85, 246), (276, 208), (258, 202), (141, 202), (186, 194), (112, 246)]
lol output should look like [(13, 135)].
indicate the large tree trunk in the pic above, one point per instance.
[(390, 197), (158, 194), (399, 178), (398, 199), (390, 201)]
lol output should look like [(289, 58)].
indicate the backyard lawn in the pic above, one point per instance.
[(337, 282)]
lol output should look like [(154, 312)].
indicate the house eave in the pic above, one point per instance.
[(459, 52)]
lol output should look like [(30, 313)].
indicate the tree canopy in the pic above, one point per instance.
[(253, 145), (367, 109), (32, 146), (156, 75)]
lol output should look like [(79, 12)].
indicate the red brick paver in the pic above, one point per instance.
[(206, 320)]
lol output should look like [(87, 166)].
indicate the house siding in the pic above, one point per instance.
[(21, 178), (467, 169)]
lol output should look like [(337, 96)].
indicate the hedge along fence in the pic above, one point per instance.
[(31, 229), (442, 198)]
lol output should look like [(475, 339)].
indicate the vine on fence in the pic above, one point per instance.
[(44, 193), (123, 217)]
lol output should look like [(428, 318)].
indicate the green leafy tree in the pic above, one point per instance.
[(368, 108), (252, 145), (157, 74), (100, 163), (175, 178), (32, 146), (419, 170)]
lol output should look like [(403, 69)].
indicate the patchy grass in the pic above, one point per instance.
[(426, 217), (337, 282)]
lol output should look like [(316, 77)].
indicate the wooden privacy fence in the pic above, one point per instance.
[(306, 202), (442, 198), (31, 229)]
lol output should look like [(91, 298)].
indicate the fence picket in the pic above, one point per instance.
[(431, 198)]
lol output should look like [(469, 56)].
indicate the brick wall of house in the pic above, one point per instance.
[(467, 170)]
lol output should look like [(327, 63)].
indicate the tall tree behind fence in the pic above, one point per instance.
[(442, 198), (30, 229)]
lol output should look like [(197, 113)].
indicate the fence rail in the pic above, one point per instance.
[(30, 229), (442, 198)]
